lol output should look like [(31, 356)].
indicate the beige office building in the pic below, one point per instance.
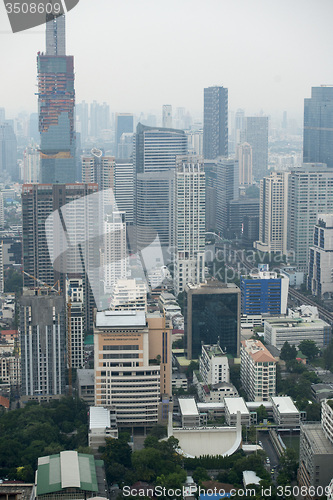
[(133, 366)]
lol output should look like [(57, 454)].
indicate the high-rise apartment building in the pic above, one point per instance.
[(124, 125), (211, 316), (82, 120), (215, 133), (99, 118), (132, 365), (258, 370), (124, 188), (273, 216), (318, 126), (310, 194), (2, 212), (2, 283), (244, 157), (167, 116), (56, 102), (213, 365), (256, 134), (320, 271), (189, 222), (227, 189), (42, 344), (75, 321), (115, 250), (38, 202), (98, 168), (31, 165), (8, 151)]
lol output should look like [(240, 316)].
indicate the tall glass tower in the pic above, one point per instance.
[(318, 126), (215, 131), (56, 101)]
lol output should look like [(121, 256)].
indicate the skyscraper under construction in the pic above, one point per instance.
[(56, 101)]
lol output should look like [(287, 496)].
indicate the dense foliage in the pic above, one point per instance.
[(38, 430)]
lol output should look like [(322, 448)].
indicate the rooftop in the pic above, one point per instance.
[(257, 351), (67, 469), (213, 350), (319, 442), (122, 319), (85, 377), (284, 404), (236, 404), (99, 417), (188, 406)]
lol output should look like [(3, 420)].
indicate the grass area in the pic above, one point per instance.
[(291, 442)]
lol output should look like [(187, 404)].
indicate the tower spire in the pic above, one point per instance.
[(56, 36)]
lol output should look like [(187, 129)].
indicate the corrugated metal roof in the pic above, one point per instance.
[(99, 417)]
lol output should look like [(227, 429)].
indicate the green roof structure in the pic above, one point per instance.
[(67, 469)]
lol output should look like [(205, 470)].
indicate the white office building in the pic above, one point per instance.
[(298, 325)]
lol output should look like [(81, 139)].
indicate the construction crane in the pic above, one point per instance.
[(41, 282)]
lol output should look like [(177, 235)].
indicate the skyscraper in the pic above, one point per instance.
[(227, 182), (38, 202), (212, 315), (273, 218), (189, 222), (256, 132), (215, 134), (115, 251), (56, 101), (318, 126), (8, 151), (155, 161), (99, 118), (43, 344), (124, 188), (82, 119), (244, 157), (310, 193), (167, 116), (98, 168), (124, 125)]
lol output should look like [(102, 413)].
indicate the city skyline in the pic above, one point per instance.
[(271, 74)]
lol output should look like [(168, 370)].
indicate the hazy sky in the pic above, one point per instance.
[(139, 54)]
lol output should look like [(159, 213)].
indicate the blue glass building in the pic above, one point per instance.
[(318, 126), (264, 293)]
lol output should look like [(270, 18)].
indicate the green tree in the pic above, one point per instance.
[(261, 413), (309, 349), (200, 475), (288, 352)]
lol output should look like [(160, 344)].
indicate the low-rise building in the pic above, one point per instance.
[(85, 383), (232, 407), (189, 412), (301, 324), (179, 381), (102, 425), (70, 474), (258, 370), (322, 391), (285, 413)]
